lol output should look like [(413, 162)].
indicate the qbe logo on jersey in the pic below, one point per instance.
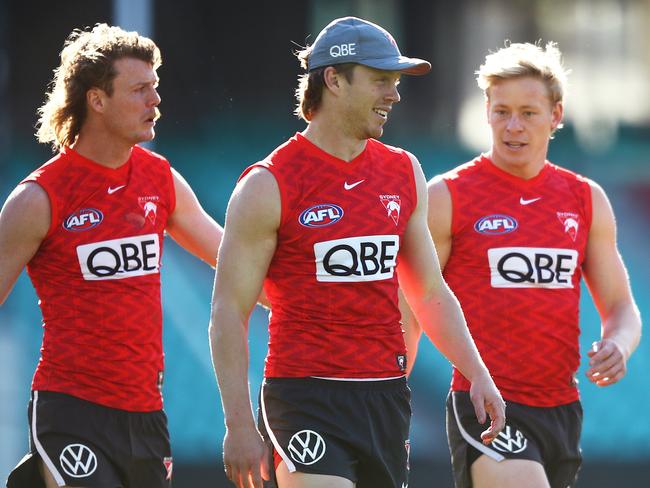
[(120, 258), (365, 258), (532, 267)]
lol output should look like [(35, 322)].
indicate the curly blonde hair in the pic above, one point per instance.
[(87, 61)]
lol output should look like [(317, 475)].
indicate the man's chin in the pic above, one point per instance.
[(146, 137), (375, 133)]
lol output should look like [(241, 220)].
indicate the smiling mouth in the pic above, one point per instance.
[(515, 145), (382, 113)]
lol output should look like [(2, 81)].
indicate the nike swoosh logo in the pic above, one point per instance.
[(349, 187), (110, 190), (526, 202)]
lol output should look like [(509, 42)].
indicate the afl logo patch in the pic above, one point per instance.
[(83, 219), (321, 215), (495, 224)]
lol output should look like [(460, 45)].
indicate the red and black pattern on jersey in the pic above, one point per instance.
[(332, 282), (97, 275), (515, 265)]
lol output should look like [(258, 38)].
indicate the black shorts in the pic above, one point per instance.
[(85, 444), (358, 430), (548, 435)]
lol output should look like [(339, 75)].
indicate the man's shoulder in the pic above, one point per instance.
[(569, 176), (54, 166), (147, 156), (281, 156), (374, 144), (464, 170), (296, 143)]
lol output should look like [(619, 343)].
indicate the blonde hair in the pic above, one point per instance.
[(87, 61), (525, 60)]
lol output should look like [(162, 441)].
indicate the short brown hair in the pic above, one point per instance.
[(310, 85), (87, 61)]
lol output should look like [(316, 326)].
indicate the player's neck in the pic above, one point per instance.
[(524, 170), (333, 139), (102, 150)]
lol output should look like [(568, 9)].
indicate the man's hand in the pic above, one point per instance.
[(607, 363), (487, 401), (244, 457)]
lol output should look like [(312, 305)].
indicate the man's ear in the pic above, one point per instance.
[(96, 99), (332, 78), (557, 115)]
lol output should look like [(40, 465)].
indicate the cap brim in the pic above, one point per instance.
[(409, 66)]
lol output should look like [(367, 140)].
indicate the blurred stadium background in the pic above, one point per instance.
[(227, 84)]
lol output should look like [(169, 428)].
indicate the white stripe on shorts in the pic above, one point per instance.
[(290, 466), (358, 379), (39, 447), (471, 441)]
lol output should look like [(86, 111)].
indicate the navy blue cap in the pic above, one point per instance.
[(354, 40)]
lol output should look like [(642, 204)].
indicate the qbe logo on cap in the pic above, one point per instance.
[(343, 50), (354, 40)]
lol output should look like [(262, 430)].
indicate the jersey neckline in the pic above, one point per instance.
[(489, 165), (119, 173), (330, 157)]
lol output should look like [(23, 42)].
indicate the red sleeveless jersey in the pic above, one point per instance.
[(515, 265), (97, 275), (332, 282)]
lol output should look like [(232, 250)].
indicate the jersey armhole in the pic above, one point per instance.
[(411, 176), (283, 197), (172, 187), (588, 204), (54, 209), (454, 214)]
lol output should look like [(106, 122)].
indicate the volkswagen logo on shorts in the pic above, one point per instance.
[(78, 460), (306, 447), (509, 441)]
